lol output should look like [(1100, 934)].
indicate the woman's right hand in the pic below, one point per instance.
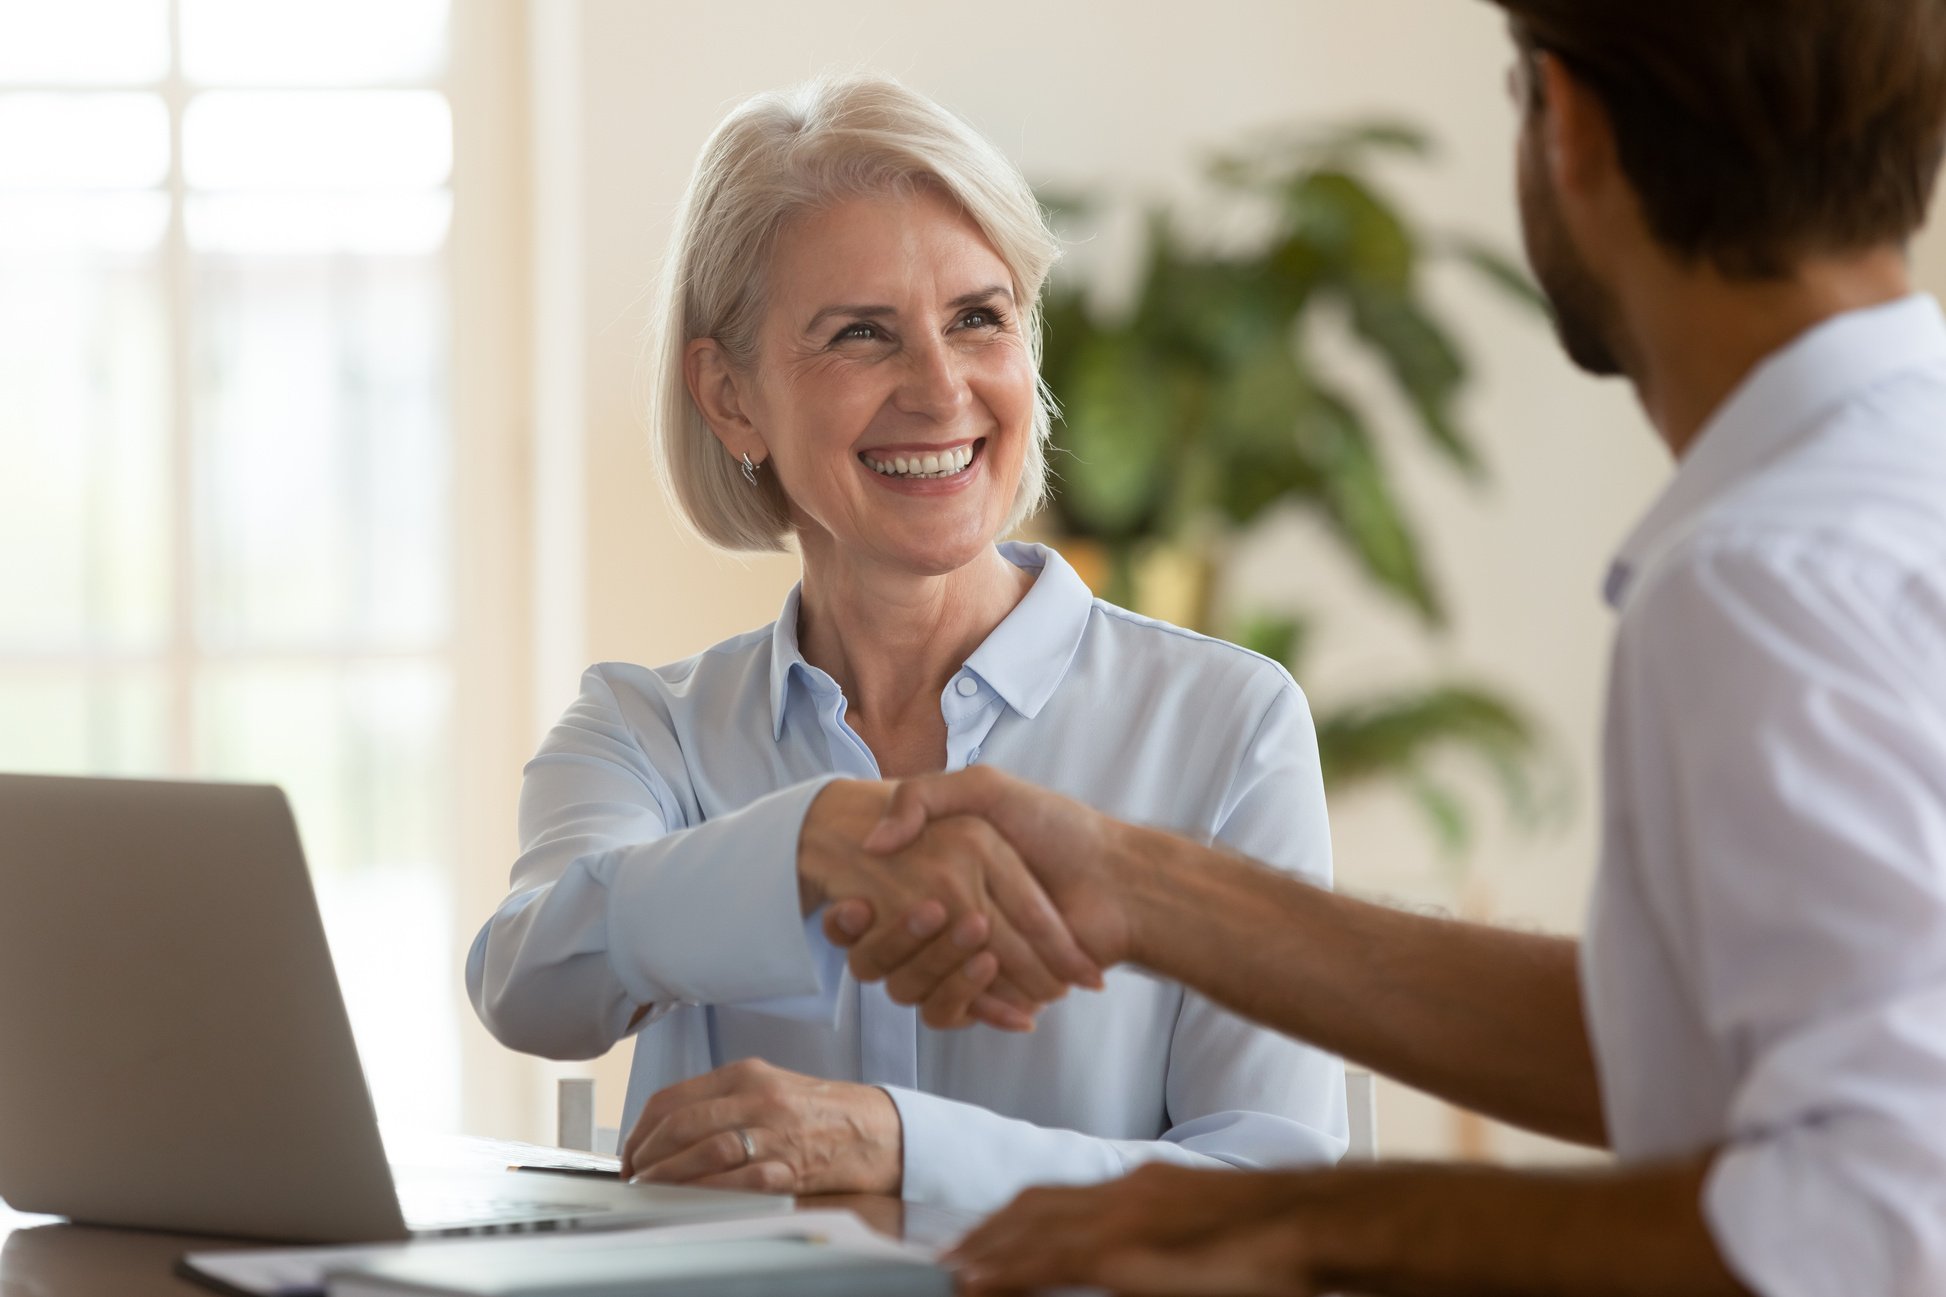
[(993, 936)]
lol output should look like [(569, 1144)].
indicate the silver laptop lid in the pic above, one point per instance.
[(177, 1053)]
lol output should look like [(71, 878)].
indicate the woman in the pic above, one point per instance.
[(848, 349)]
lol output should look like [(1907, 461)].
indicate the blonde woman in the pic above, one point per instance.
[(847, 364)]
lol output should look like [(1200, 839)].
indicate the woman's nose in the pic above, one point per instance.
[(933, 385)]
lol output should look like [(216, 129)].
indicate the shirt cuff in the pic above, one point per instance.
[(710, 915), (820, 1005), (962, 1156)]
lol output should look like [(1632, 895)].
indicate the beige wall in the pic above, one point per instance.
[(1127, 94)]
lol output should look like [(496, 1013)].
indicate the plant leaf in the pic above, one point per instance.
[(1452, 827), (1060, 204), (1504, 273), (1388, 735), (1264, 163), (1210, 310), (1066, 327), (1359, 502), (1399, 736), (1423, 361), (1342, 143), (1356, 235), (1281, 637), (1121, 424), (1252, 437)]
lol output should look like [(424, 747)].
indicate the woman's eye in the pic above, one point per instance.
[(981, 320), (856, 331)]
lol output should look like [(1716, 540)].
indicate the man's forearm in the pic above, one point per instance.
[(1488, 1019), (1460, 1231)]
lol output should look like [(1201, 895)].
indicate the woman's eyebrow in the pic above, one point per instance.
[(977, 297), (980, 296), (865, 312)]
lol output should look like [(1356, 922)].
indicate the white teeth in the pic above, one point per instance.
[(934, 465)]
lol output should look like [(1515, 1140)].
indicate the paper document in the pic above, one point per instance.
[(299, 1272)]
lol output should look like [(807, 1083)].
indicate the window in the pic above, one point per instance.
[(226, 513)]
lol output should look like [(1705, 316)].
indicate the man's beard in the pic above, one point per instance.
[(1584, 311)]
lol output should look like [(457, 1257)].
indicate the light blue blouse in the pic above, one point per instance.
[(659, 829)]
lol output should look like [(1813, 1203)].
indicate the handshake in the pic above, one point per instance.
[(973, 895)]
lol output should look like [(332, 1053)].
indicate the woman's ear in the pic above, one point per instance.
[(714, 386)]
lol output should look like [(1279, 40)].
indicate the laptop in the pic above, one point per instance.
[(176, 1051)]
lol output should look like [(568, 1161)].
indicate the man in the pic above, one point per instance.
[(1716, 196)]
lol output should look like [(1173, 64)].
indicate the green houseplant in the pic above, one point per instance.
[(1193, 415)]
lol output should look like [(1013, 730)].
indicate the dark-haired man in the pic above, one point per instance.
[(1716, 196)]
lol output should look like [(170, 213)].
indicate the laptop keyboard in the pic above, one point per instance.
[(439, 1213)]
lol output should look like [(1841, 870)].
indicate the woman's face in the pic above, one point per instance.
[(894, 392)]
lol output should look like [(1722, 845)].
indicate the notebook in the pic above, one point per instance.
[(638, 1265)]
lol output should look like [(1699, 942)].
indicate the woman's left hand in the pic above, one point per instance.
[(748, 1125)]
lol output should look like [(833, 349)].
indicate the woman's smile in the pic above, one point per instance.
[(925, 470)]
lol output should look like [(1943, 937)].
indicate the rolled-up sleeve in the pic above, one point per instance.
[(1813, 819), (616, 905), (1237, 1094)]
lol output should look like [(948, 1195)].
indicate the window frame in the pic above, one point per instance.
[(487, 651)]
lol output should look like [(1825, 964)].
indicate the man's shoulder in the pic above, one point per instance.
[(1855, 509), (1871, 478), (1820, 576)]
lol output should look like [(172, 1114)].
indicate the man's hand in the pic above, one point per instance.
[(804, 1135), (1065, 844), (1488, 1019), (1390, 1228), (1163, 1229), (974, 928)]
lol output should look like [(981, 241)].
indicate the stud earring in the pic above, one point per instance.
[(749, 469)]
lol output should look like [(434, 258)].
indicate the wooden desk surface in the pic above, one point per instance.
[(44, 1257)]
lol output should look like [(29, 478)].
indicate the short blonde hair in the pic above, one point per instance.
[(775, 156)]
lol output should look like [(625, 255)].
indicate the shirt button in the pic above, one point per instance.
[(967, 686), (972, 756)]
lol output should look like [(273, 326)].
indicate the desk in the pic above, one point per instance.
[(41, 1256)]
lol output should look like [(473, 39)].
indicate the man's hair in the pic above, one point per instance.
[(1758, 134)]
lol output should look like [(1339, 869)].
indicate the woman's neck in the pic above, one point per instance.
[(892, 640)]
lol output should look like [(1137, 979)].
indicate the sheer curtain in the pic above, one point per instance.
[(226, 451)]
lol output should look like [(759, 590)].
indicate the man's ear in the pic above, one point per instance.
[(716, 388), (1577, 137)]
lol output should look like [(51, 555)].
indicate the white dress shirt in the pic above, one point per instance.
[(1765, 967), (659, 828)]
